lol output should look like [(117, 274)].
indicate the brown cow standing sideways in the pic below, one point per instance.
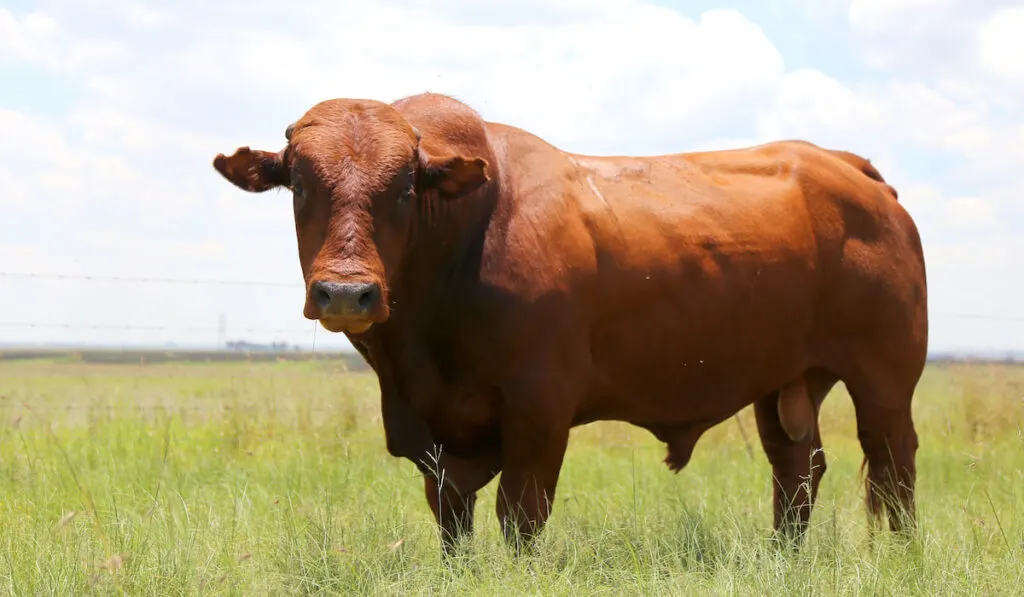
[(505, 291)]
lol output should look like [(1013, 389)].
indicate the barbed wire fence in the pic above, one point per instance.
[(13, 325), (193, 409), (303, 336), (141, 280)]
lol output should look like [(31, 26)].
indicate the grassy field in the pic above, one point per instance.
[(271, 478)]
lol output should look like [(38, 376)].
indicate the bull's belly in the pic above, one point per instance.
[(666, 371)]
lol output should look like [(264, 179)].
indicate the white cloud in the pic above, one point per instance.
[(972, 213), (924, 38), (38, 38), (887, 15), (938, 216), (142, 16), (62, 177), (114, 91), (103, 126), (27, 38), (14, 191), (128, 162), (26, 138), (1001, 44), (811, 104), (562, 80)]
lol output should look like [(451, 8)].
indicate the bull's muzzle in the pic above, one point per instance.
[(344, 306)]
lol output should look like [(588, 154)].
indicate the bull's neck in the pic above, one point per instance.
[(441, 264), (445, 248)]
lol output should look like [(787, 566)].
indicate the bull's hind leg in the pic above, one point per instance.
[(886, 431), (797, 466)]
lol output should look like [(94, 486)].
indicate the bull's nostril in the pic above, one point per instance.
[(344, 299), (322, 298), (366, 299)]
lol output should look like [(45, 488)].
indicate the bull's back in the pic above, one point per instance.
[(731, 271), (732, 216), (719, 272), (870, 268), (701, 275)]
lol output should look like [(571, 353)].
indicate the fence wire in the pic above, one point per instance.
[(141, 280)]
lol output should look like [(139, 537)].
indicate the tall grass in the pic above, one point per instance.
[(272, 478)]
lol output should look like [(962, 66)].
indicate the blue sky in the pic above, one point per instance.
[(111, 112)]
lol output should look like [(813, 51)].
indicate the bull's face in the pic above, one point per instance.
[(356, 170)]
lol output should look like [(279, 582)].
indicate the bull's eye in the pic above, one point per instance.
[(410, 187), (298, 198)]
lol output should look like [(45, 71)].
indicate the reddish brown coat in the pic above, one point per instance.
[(505, 291)]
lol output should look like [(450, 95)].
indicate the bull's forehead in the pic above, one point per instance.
[(363, 127), (356, 144)]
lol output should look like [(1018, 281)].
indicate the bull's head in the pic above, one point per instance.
[(356, 169)]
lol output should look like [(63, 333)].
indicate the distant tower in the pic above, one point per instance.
[(222, 332)]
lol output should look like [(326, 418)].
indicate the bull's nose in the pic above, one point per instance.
[(345, 299)]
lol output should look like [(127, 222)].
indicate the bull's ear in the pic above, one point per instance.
[(451, 176), (253, 170)]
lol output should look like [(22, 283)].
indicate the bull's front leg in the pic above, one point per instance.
[(534, 440), (451, 485)]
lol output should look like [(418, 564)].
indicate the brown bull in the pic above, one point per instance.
[(505, 291)]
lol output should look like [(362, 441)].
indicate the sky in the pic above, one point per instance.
[(111, 112)]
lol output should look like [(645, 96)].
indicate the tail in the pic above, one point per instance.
[(865, 166)]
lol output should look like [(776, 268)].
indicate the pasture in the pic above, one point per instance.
[(271, 478)]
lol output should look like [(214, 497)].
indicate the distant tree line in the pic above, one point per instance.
[(243, 346)]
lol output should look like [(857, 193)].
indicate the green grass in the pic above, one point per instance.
[(272, 478)]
